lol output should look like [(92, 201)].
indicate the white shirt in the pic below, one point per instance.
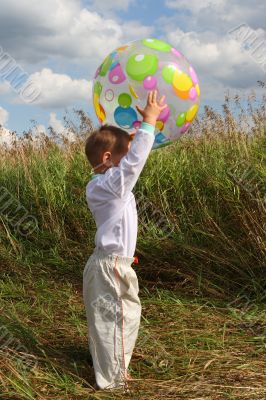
[(111, 201)]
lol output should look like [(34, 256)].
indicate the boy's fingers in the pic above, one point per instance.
[(140, 110), (163, 107), (162, 100), (149, 98), (154, 96)]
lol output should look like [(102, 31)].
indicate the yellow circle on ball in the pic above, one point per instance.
[(182, 81), (159, 125), (132, 91), (99, 109), (192, 111), (197, 89)]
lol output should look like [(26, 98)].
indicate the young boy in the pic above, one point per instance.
[(110, 284)]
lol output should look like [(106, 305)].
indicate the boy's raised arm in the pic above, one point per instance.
[(121, 180)]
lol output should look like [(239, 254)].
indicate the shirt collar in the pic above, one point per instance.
[(95, 176)]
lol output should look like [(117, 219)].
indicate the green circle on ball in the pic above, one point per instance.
[(124, 100), (139, 66), (156, 44), (105, 65), (98, 88), (168, 73), (181, 119)]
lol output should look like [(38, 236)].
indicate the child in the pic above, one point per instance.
[(110, 284)]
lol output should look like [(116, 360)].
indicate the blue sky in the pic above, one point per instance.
[(60, 43)]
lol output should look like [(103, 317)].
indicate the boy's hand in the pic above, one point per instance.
[(152, 109)]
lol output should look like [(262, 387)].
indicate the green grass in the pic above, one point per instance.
[(187, 348), (210, 191), (203, 327)]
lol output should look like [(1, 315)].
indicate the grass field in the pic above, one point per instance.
[(202, 251), (187, 348)]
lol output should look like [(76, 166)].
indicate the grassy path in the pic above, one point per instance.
[(188, 348)]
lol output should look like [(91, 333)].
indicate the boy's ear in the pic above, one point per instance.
[(106, 155), (107, 158)]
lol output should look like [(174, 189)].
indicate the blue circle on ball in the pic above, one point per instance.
[(125, 117)]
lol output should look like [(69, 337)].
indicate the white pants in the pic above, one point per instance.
[(113, 310)]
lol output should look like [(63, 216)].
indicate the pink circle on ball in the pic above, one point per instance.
[(192, 93), (136, 124), (164, 115), (193, 75), (97, 72), (185, 127), (116, 75), (176, 52), (150, 83), (109, 95)]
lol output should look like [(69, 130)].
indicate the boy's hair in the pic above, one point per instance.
[(106, 138)]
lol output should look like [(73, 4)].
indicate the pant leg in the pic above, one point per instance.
[(110, 291), (127, 283)]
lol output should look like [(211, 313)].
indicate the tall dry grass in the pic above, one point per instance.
[(201, 203)]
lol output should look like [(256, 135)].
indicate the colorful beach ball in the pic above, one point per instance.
[(126, 76)]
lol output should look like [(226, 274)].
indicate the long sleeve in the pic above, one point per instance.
[(121, 180)]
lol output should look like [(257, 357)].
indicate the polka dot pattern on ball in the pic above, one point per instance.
[(159, 125), (185, 127), (181, 81), (181, 119), (193, 75), (192, 93), (124, 100), (136, 124), (191, 113), (109, 95), (116, 75), (105, 66), (139, 66), (197, 89), (158, 45), (132, 91), (128, 73), (176, 52), (125, 117), (150, 83), (97, 88), (168, 73), (165, 114), (100, 112)]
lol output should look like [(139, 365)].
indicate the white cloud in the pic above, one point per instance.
[(38, 130), (107, 5), (6, 137), (60, 90), (62, 33), (217, 15), (62, 29), (133, 30), (193, 5), (66, 33), (220, 61), (3, 116), (59, 128), (55, 123)]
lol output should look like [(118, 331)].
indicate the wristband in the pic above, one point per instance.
[(147, 127)]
